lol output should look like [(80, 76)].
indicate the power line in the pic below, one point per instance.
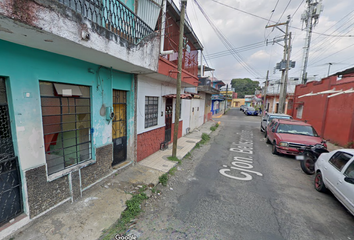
[(284, 10), (331, 42), (275, 7), (239, 49), (227, 44), (327, 37), (263, 18)]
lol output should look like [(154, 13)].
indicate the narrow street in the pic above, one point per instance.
[(234, 188)]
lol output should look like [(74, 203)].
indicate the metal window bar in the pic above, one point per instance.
[(72, 138), (11, 204), (119, 127), (112, 15), (151, 111), (119, 103)]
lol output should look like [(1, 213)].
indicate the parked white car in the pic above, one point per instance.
[(335, 171)]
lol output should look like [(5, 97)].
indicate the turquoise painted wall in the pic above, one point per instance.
[(24, 67), (130, 4)]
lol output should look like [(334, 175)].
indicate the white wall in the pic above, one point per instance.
[(197, 112), (154, 88), (185, 115)]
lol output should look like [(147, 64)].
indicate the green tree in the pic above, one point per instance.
[(244, 86)]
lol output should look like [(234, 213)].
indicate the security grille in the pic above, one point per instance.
[(10, 180), (151, 111), (66, 126), (112, 15), (119, 127)]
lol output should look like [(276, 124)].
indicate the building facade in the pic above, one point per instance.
[(68, 95), (327, 105), (156, 101)]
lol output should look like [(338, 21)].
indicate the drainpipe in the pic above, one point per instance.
[(163, 27), (201, 64)]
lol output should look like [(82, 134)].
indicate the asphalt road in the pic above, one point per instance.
[(238, 190)]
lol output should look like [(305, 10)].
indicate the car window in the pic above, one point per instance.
[(349, 172), (271, 124), (274, 126), (339, 159), (297, 129)]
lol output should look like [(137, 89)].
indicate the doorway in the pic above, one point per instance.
[(10, 181), (119, 127), (168, 119)]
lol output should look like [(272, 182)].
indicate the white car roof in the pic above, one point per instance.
[(347, 150), (278, 114)]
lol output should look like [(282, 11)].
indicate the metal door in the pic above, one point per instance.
[(10, 180), (119, 127), (168, 119)]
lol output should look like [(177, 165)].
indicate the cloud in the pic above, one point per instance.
[(241, 29)]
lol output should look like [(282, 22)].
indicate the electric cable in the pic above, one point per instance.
[(227, 44)]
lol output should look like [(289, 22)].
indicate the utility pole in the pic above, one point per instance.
[(226, 97), (329, 68), (284, 65), (265, 94), (310, 18), (179, 76), (282, 96)]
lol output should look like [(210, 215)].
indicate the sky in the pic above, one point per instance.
[(241, 24)]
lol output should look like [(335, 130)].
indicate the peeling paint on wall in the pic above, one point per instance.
[(34, 141), (39, 65)]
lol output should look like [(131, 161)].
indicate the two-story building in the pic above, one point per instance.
[(156, 101), (68, 101)]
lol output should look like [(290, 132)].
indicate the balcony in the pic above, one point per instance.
[(112, 15), (103, 32), (208, 89)]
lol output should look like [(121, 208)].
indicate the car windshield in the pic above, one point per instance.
[(279, 117), (297, 129), (250, 109)]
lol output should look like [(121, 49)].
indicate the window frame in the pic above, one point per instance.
[(71, 143), (154, 106), (351, 167), (336, 157), (299, 111)]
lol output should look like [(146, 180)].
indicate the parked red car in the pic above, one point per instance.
[(288, 136)]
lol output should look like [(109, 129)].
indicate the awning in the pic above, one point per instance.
[(67, 90), (193, 95), (183, 96)]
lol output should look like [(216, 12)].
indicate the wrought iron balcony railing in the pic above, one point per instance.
[(112, 15)]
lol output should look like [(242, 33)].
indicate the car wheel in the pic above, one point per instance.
[(319, 184), (265, 134), (308, 165), (261, 128), (267, 141), (274, 148)]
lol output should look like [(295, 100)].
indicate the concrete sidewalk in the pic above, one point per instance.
[(101, 205)]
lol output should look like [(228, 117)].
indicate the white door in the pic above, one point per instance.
[(333, 172), (346, 189)]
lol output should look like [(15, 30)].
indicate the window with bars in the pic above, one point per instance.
[(151, 111), (66, 117)]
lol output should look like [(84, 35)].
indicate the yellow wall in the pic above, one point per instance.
[(237, 102), (272, 104)]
